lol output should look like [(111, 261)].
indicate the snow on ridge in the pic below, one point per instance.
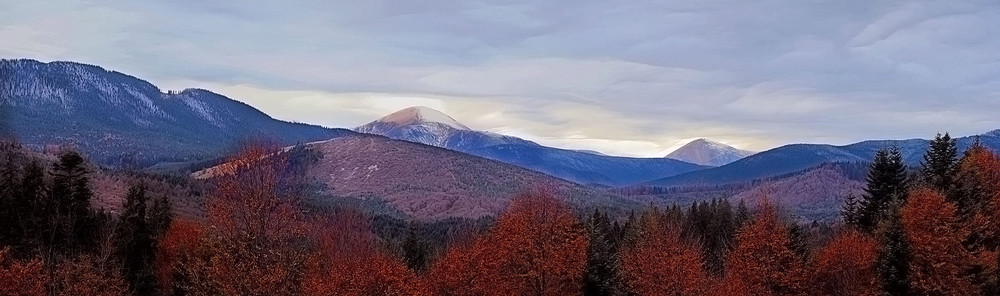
[(421, 114)]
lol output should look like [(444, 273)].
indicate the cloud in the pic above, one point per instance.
[(628, 78)]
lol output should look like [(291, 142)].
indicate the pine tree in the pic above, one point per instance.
[(887, 182), (938, 167), (136, 241)]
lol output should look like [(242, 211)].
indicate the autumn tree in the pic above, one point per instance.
[(935, 239), (542, 247), (978, 200), (462, 270), (659, 263), (181, 261), (762, 263), (254, 222), (348, 261), (848, 265)]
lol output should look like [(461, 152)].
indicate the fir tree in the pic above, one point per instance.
[(938, 167), (886, 183)]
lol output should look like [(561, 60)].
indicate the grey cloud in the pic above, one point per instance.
[(758, 73)]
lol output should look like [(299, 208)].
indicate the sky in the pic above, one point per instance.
[(623, 77)]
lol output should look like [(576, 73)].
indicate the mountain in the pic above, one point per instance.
[(428, 126), (428, 182), (797, 157), (708, 153), (118, 119)]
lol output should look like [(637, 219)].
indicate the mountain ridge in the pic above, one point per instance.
[(577, 166)]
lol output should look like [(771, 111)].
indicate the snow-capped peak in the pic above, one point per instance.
[(707, 152), (421, 114)]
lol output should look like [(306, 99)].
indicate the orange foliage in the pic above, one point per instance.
[(984, 225), (348, 262), (660, 264), (762, 263), (935, 241), (848, 266), (21, 278)]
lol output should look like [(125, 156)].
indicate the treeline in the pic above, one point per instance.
[(52, 241), (932, 233)]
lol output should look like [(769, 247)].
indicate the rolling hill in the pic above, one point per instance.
[(428, 182)]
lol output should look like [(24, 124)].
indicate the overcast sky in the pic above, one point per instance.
[(627, 77)]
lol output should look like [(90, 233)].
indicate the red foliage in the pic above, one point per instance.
[(762, 263), (347, 261), (661, 264), (21, 278), (85, 276), (537, 248), (847, 266), (935, 239), (181, 253)]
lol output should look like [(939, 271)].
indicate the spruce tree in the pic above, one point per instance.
[(8, 195), (894, 257), (135, 241), (601, 276), (938, 167), (160, 216), (70, 223), (886, 182), (414, 250)]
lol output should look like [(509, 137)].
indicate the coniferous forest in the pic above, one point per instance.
[(927, 230)]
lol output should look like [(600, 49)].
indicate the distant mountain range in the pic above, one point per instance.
[(429, 182), (797, 157), (708, 153), (428, 126), (119, 120)]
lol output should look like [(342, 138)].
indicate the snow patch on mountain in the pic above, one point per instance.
[(421, 114), (707, 152)]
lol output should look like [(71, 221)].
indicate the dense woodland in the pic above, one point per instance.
[(933, 232)]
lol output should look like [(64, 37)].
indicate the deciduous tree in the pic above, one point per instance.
[(848, 265), (935, 239)]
